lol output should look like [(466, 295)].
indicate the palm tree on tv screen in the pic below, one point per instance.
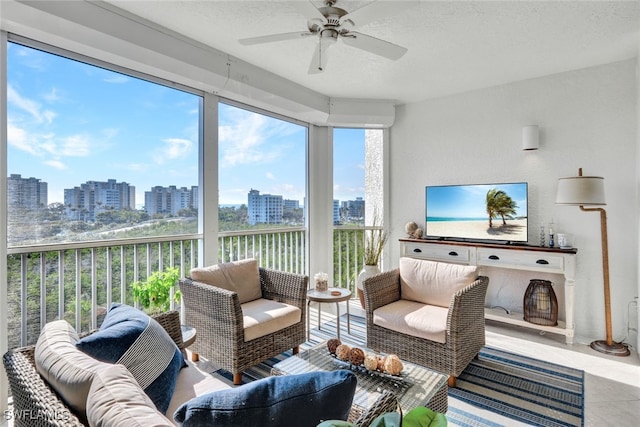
[(500, 204)]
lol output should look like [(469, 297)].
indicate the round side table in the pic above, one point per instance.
[(341, 294), (188, 338)]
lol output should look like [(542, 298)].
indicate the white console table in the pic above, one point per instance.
[(515, 257)]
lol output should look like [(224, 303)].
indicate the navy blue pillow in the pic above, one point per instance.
[(301, 400), (131, 338)]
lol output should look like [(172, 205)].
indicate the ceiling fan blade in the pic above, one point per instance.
[(275, 38), (376, 46), (377, 10), (308, 10), (319, 61)]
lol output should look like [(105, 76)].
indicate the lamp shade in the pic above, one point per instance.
[(581, 191)]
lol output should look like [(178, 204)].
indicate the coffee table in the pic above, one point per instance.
[(415, 386)]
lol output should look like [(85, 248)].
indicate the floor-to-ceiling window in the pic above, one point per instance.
[(358, 195), (102, 170), (262, 187)]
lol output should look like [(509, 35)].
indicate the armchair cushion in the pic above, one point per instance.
[(415, 319), (264, 316), (242, 277), (68, 370), (302, 400), (130, 337), (115, 399), (431, 282)]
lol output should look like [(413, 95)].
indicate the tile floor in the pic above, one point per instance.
[(612, 384)]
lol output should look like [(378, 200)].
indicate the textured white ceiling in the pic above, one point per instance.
[(454, 46)]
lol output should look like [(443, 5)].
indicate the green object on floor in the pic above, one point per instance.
[(424, 417), (418, 417)]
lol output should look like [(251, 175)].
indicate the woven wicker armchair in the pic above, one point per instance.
[(216, 314), (38, 403), (465, 326)]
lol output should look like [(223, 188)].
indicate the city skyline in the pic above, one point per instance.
[(70, 122), (358, 199)]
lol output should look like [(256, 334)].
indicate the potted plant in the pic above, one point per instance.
[(374, 240), (153, 294)]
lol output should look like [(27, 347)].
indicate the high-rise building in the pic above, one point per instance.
[(264, 208), (353, 210), (92, 197), (290, 205), (26, 193), (170, 200)]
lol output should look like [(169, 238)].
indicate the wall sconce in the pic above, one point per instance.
[(530, 137)]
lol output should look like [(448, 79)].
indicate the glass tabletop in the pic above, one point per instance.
[(415, 386)]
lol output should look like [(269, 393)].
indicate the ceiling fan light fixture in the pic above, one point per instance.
[(330, 23), (329, 35)]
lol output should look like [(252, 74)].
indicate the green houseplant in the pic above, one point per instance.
[(154, 293), (417, 417)]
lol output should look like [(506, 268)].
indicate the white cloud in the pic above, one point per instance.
[(242, 141), (31, 107), (74, 146), (270, 176), (174, 148), (56, 164), (52, 96), (18, 138), (117, 79)]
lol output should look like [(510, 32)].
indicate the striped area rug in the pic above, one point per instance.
[(524, 389), (499, 389)]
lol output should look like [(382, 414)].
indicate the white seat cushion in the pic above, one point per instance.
[(241, 277), (264, 316), (431, 282), (415, 319), (192, 382)]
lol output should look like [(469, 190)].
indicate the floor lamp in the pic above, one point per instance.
[(589, 191)]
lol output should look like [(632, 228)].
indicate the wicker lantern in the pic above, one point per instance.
[(540, 303)]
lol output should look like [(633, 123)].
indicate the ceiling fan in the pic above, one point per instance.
[(330, 24)]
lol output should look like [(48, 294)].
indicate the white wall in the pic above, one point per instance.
[(587, 119)]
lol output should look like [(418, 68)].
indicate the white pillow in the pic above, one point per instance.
[(115, 399), (431, 282), (242, 277), (68, 370)]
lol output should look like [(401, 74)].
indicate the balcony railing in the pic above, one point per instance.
[(78, 281)]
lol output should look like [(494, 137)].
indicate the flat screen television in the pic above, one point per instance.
[(477, 212)]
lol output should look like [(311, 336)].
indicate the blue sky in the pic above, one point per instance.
[(70, 122), (469, 201)]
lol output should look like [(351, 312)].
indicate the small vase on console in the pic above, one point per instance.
[(367, 271)]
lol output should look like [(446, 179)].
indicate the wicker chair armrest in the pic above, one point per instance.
[(170, 321), (282, 286), (33, 399), (214, 312), (387, 402), (467, 305), (381, 289)]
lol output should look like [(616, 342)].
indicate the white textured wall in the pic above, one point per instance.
[(587, 119)]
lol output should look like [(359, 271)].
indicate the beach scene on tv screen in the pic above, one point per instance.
[(483, 212)]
